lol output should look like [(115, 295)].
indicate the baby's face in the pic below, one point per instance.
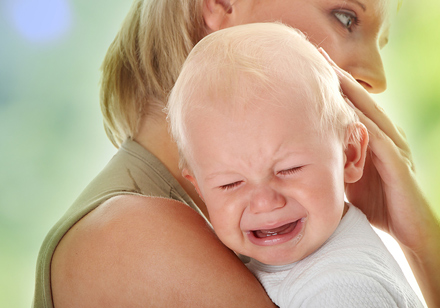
[(273, 187)]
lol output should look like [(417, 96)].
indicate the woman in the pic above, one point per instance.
[(130, 241)]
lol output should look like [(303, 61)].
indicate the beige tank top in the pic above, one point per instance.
[(133, 170)]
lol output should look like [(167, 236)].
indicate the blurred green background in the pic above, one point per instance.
[(52, 141)]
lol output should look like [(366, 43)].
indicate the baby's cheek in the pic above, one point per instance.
[(232, 238), (224, 227), (324, 223)]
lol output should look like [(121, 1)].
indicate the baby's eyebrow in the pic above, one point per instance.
[(281, 154), (212, 176)]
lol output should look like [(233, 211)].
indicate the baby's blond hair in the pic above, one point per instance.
[(236, 65)]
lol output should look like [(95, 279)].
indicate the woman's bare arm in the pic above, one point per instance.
[(389, 194), (135, 251)]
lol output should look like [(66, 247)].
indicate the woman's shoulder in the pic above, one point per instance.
[(133, 250)]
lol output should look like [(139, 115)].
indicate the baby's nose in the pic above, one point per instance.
[(266, 199)]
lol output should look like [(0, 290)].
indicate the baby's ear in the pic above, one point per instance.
[(215, 13), (356, 142), (187, 174)]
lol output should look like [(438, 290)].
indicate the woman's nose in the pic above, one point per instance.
[(265, 199), (368, 70)]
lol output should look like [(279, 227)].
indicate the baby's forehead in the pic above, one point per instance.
[(242, 91), (237, 105)]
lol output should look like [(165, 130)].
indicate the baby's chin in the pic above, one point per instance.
[(288, 253)]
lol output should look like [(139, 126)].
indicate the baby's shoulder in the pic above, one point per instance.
[(347, 288)]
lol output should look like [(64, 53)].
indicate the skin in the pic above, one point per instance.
[(355, 47), (86, 269), (285, 172), (389, 194)]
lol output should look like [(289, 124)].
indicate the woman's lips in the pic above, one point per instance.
[(268, 237)]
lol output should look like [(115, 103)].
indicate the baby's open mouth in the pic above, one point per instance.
[(284, 229)]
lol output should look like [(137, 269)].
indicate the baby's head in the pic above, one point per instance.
[(267, 140)]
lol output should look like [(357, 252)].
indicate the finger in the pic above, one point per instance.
[(384, 149), (360, 98), (338, 70)]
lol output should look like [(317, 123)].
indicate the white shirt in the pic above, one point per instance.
[(352, 268)]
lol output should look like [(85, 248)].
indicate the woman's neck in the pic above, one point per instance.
[(153, 135)]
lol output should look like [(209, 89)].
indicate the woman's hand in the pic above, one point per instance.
[(388, 192)]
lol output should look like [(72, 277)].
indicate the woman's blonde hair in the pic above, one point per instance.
[(144, 61)]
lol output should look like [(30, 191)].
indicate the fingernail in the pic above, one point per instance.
[(326, 56), (339, 71), (349, 102), (324, 53)]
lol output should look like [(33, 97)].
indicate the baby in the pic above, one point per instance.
[(269, 142)]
